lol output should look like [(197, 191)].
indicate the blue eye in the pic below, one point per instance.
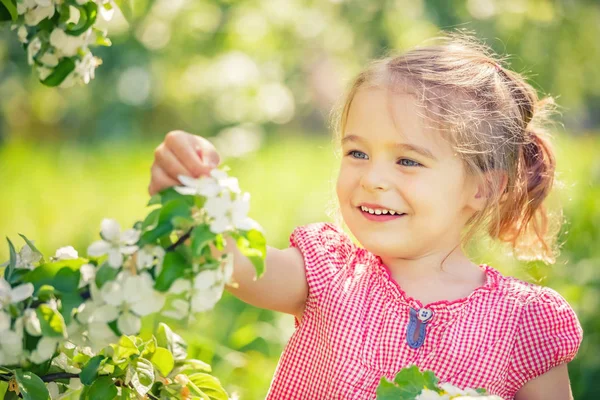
[(409, 163), (352, 152)]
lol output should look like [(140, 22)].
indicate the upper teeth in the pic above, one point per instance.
[(378, 211)]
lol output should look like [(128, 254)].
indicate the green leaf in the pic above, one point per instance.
[(151, 220), (88, 13), (175, 208), (168, 339), (127, 8), (388, 391), (31, 386), (67, 280), (12, 263), (201, 237), (46, 274), (154, 200), (431, 381), (163, 361), (125, 349), (102, 388), (143, 376), (209, 385), (171, 194), (410, 381), (191, 366), (162, 230), (11, 396), (69, 301), (10, 8), (51, 321), (90, 371), (105, 274), (60, 72), (174, 267), (32, 246), (254, 246)]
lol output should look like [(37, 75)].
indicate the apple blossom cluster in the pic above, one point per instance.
[(70, 314), (57, 34)]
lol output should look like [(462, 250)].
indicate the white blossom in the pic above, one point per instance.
[(32, 322), (115, 243), (10, 295), (36, 15), (11, 341), (455, 391), (427, 394), (203, 186), (22, 33), (66, 253), (69, 45), (25, 258), (49, 59), (130, 297), (146, 256), (45, 349), (87, 275), (86, 67), (32, 49)]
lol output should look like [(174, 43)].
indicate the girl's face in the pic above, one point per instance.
[(392, 161)]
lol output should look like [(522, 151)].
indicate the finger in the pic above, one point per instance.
[(160, 180), (186, 154), (208, 152), (169, 163)]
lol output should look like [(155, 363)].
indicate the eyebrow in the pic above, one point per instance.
[(406, 146)]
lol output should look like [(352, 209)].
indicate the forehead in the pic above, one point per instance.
[(381, 116)]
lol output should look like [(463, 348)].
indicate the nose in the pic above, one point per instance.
[(375, 178)]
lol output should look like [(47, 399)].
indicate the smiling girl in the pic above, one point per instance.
[(437, 144)]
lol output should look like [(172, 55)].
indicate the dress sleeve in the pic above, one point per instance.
[(326, 249), (549, 335)]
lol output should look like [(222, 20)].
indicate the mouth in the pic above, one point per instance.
[(379, 215)]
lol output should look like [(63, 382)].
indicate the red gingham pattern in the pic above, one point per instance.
[(353, 330)]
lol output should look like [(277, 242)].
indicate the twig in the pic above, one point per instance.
[(180, 241), (58, 375)]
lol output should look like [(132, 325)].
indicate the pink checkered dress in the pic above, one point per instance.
[(354, 328)]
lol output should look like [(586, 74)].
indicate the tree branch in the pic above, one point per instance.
[(179, 241)]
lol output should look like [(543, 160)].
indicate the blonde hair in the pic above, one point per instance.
[(494, 120)]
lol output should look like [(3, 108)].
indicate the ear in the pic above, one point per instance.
[(483, 188)]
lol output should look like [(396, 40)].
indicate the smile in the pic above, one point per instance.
[(381, 217)]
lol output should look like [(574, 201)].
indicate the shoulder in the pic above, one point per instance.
[(326, 250), (549, 332), (322, 238)]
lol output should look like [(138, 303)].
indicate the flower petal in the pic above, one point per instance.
[(4, 322), (105, 313), (149, 305), (129, 324), (110, 229), (98, 248), (188, 181), (115, 258), (21, 292), (185, 190), (130, 236)]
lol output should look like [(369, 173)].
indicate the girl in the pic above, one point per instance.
[(438, 143)]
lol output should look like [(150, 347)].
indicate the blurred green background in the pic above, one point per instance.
[(259, 77)]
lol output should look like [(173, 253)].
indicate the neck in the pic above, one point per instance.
[(433, 265)]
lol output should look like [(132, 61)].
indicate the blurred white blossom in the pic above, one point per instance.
[(66, 253), (9, 295), (130, 297), (115, 243)]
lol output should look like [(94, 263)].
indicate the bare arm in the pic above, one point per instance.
[(553, 385), (282, 287)]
